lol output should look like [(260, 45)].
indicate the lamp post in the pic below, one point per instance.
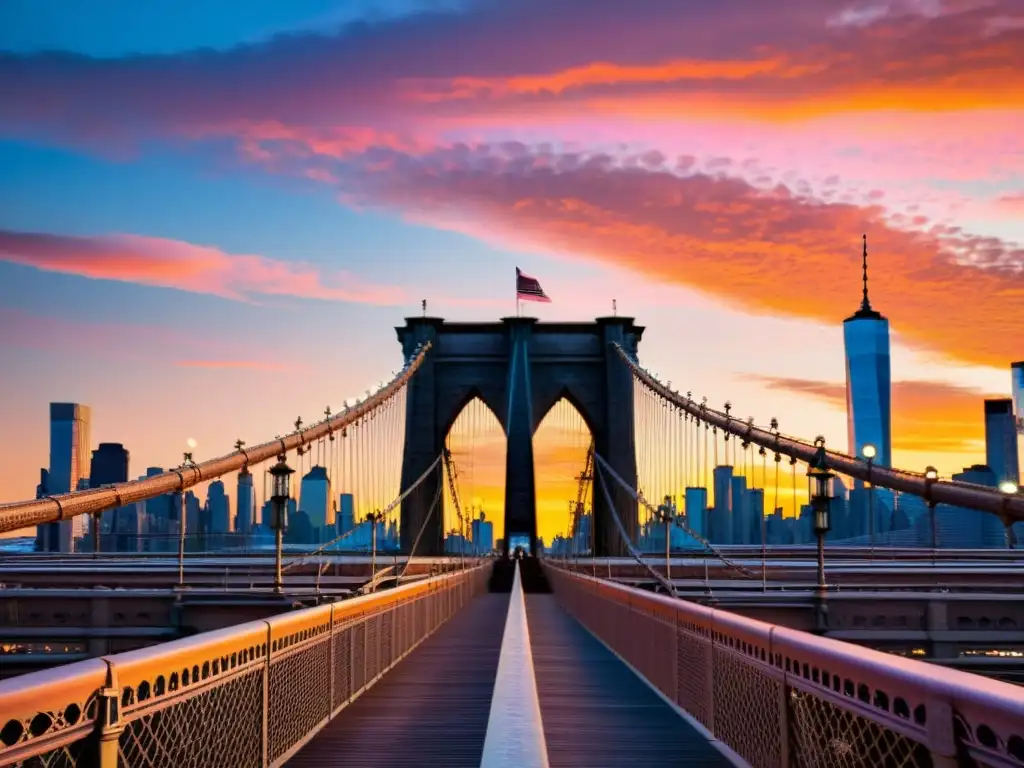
[(666, 512), (280, 481), (869, 452), (1009, 488), (371, 518), (931, 474), (821, 503)]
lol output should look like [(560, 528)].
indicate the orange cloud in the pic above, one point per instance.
[(778, 87), (772, 251), (187, 267), (790, 60), (928, 416)]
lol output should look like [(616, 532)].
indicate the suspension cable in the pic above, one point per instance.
[(383, 515), (423, 526), (622, 531), (604, 466)]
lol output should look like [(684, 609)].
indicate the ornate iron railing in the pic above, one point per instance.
[(780, 697), (250, 695)]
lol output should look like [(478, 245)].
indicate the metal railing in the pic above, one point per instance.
[(250, 695), (781, 697), (24, 514)]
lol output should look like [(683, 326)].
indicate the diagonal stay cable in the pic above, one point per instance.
[(449, 466), (383, 514), (647, 505), (625, 537), (423, 527)]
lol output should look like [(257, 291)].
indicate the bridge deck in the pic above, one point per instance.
[(431, 709), (596, 712)]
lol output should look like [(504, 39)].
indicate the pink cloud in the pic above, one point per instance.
[(187, 267), (767, 250), (1012, 203)]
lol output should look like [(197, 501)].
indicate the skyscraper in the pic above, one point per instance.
[(245, 497), (346, 513), (219, 508), (720, 529), (69, 463), (1001, 440), (696, 508), (315, 501), (868, 379), (110, 465)]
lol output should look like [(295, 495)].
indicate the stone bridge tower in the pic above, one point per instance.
[(519, 368)]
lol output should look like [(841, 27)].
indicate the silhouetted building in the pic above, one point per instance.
[(1001, 440), (315, 501), (483, 534), (69, 463), (742, 519), (346, 513), (696, 510), (109, 465), (245, 497), (720, 530), (219, 508), (868, 380), (961, 528)]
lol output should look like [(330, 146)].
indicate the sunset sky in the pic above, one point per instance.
[(210, 222)]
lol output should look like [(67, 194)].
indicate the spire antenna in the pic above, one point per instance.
[(865, 304)]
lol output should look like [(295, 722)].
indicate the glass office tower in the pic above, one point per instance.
[(1001, 440), (868, 379), (70, 454)]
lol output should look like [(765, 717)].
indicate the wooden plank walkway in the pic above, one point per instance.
[(597, 713), (430, 710)]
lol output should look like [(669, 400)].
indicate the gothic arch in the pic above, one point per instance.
[(519, 368)]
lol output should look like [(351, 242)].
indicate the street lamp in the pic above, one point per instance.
[(1008, 487), (931, 474), (280, 481), (821, 504), (869, 452)]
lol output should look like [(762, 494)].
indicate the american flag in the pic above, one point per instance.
[(528, 289)]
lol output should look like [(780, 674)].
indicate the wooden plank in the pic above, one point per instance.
[(431, 709), (596, 712)]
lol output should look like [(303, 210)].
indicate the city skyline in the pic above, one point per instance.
[(196, 266)]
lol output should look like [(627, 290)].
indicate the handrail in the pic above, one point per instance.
[(23, 514), (1010, 507), (728, 668), (291, 672)]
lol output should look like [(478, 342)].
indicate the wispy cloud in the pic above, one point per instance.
[(928, 416), (769, 61), (1011, 203), (187, 267)]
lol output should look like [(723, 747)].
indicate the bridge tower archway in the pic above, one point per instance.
[(519, 368)]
